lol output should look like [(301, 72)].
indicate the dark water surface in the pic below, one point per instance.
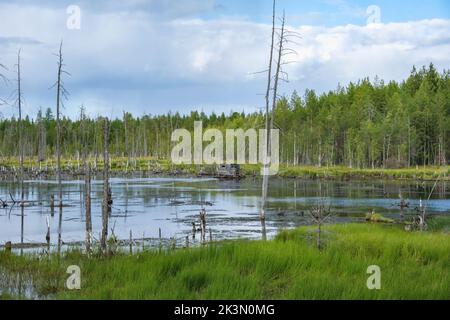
[(145, 204)]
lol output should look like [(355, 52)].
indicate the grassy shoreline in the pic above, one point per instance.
[(121, 165), (414, 265)]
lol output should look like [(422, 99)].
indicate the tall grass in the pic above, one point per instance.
[(413, 266), (121, 164)]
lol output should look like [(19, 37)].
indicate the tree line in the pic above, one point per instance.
[(365, 124)]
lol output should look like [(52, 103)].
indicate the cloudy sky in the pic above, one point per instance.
[(156, 56)]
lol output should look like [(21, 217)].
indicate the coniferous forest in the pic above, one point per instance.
[(367, 124)]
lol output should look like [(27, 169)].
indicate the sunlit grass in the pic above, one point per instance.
[(414, 265)]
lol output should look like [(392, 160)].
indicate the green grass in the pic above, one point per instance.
[(439, 223), (413, 266), (345, 173)]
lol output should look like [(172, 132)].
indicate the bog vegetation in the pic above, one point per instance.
[(413, 265)]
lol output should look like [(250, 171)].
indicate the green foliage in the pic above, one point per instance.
[(440, 223)]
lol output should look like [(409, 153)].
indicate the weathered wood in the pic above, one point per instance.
[(203, 223), (265, 183), (131, 242), (319, 215), (105, 209), (59, 229), (88, 206), (21, 144), (58, 124), (160, 240)]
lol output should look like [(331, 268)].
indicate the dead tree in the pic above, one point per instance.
[(270, 115), (277, 75), (87, 180), (60, 242), (19, 104), (419, 222), (42, 152), (422, 210), (61, 93), (87, 169), (105, 208), (203, 223), (319, 215), (265, 183), (402, 205), (127, 152), (268, 150), (194, 230)]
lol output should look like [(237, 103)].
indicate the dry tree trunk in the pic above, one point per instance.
[(19, 100), (105, 209), (265, 183), (21, 147), (42, 153), (277, 78), (87, 180), (87, 169), (58, 125), (272, 116)]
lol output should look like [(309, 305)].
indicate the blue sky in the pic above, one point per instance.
[(155, 56)]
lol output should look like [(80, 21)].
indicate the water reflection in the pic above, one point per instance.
[(145, 205)]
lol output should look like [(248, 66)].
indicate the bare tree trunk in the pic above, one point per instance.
[(127, 150), (58, 126), (87, 169), (19, 100), (59, 229), (265, 183), (277, 78), (87, 181), (21, 144), (42, 143), (105, 209)]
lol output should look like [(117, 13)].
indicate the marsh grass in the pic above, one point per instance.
[(414, 266), (121, 165), (439, 223), (345, 173)]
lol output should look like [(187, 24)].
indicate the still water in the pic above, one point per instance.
[(146, 204)]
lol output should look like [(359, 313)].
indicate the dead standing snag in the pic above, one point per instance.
[(105, 207)]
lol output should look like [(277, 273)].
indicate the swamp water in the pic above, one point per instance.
[(146, 204)]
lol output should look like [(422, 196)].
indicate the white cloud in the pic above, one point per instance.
[(346, 53), (128, 59)]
